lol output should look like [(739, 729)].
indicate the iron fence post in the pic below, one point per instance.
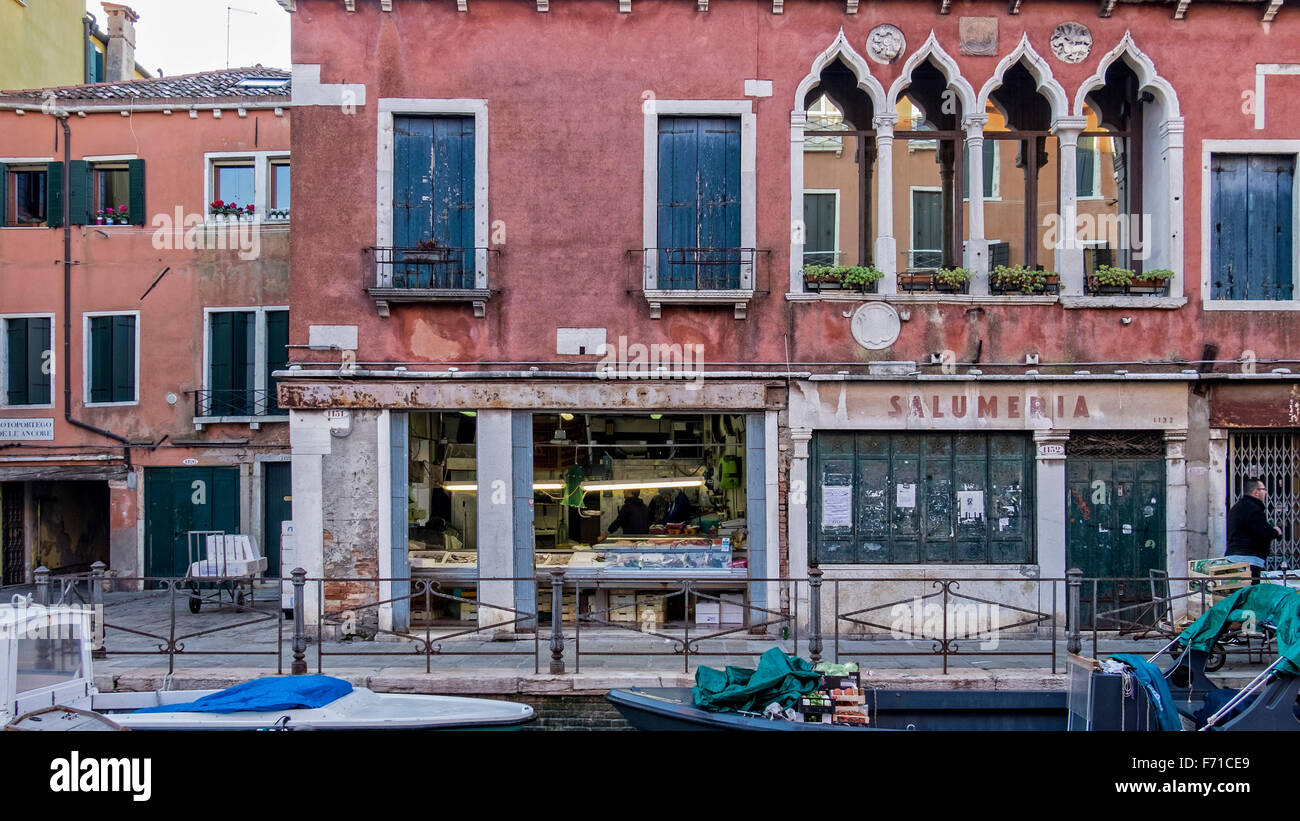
[(97, 649), (1073, 590), (557, 620), (42, 579), (815, 614), (299, 666)]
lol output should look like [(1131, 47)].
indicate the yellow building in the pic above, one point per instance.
[(56, 43)]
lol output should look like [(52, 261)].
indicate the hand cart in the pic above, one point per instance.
[(225, 563)]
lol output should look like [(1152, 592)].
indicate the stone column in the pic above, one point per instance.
[(797, 516), (1068, 253), (976, 255), (1176, 509), (123, 513), (798, 222), (1217, 486), (886, 253), (496, 526), (1049, 523), (309, 438)]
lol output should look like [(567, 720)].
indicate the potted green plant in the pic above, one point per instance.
[(1107, 279), (862, 278), (822, 277), (1155, 281), (953, 280), (1006, 279)]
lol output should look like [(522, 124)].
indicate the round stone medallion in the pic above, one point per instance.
[(875, 326), (885, 44), (1071, 42)]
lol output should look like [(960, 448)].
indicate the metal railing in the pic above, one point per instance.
[(237, 402), (702, 269), (835, 619), (437, 268)]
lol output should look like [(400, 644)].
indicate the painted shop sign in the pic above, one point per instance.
[(27, 428), (1007, 406)]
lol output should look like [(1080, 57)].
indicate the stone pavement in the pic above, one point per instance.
[(220, 647)]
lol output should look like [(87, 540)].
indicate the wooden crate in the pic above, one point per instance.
[(1225, 577)]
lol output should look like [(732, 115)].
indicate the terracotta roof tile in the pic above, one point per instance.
[(221, 84)]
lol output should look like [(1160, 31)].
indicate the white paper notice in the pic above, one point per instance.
[(970, 505), (906, 496), (837, 506), (1003, 524)]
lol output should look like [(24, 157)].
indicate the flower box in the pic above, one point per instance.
[(930, 281)]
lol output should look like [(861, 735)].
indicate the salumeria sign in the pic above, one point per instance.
[(962, 406)]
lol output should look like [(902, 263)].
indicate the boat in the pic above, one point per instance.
[(1181, 695), (673, 708), (47, 683)]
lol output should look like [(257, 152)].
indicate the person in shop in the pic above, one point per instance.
[(1250, 535), (680, 510), (659, 506), (633, 516)]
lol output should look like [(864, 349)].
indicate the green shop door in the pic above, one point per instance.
[(1115, 500), (178, 500), (277, 508)]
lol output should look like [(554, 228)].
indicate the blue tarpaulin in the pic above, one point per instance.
[(264, 695)]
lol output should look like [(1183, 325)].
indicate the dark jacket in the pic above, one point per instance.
[(1249, 533), (633, 517)]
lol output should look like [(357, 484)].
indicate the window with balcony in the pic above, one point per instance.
[(244, 349)]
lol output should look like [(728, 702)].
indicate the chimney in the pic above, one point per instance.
[(120, 63)]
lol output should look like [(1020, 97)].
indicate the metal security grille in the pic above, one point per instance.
[(1122, 445), (1274, 457), (11, 498)]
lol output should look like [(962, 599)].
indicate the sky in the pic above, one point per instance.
[(185, 36)]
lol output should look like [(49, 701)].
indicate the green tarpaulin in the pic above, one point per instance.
[(1272, 603), (778, 678)]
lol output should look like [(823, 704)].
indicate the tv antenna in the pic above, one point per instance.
[(229, 9)]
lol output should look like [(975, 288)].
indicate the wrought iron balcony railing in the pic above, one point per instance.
[(441, 274), (210, 404), (703, 269)]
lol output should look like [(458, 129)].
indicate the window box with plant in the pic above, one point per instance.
[(1109, 280), (229, 211), (1017, 279), (860, 278), (944, 280)]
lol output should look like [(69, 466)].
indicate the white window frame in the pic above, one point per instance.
[(391, 107), (86, 363), (261, 177), (911, 221), (652, 109), (839, 252), (259, 356), (996, 196), (1208, 149), (819, 109), (4, 360)]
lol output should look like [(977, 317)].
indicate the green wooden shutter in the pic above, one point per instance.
[(123, 359), (1085, 165), (54, 194), (277, 355), (230, 363), (135, 189), (81, 193), (4, 194), (220, 363), (38, 342), (101, 359), (17, 362)]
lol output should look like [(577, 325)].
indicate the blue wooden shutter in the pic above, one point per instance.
[(135, 191), (678, 209), (101, 359), (698, 201), (123, 358), (277, 355), (719, 198), (412, 180), (453, 195), (1269, 208)]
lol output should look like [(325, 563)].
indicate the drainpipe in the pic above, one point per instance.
[(67, 300)]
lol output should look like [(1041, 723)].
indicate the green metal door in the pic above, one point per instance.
[(1115, 499), (178, 500), (277, 507)]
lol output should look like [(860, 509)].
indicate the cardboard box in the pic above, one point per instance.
[(707, 613), (733, 608), (852, 680)]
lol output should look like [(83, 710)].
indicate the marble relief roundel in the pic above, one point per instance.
[(1071, 42), (885, 44), (875, 326)]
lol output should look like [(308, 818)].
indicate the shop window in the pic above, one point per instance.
[(896, 498), (699, 203), (839, 166), (239, 383), (112, 358), (1253, 226), (442, 513), (31, 194), (28, 360)]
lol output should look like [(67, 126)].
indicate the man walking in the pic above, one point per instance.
[(1250, 535)]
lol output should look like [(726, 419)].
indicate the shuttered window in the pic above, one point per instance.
[(112, 359), (277, 355), (32, 195), (231, 372), (433, 195), (699, 202), (902, 498), (1086, 162), (27, 361), (1252, 226), (989, 158)]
